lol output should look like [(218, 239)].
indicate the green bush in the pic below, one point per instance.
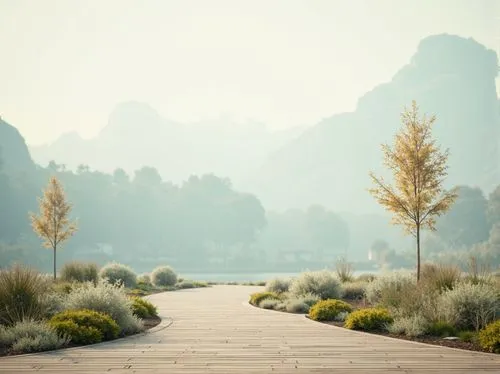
[(370, 319), (328, 310), (31, 336), (268, 303), (79, 334), (21, 290), (257, 297), (278, 285), (61, 287), (137, 292), (163, 276), (442, 329), (108, 299), (470, 306), (85, 326), (353, 290), (489, 337), (198, 284), (323, 283), (309, 299), (143, 308), (79, 272), (144, 279), (296, 306), (119, 273), (415, 325), (185, 284), (467, 336)]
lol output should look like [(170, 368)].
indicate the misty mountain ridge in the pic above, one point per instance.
[(137, 135), (328, 163), (449, 76)]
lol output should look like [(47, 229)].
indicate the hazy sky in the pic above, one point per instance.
[(66, 63)]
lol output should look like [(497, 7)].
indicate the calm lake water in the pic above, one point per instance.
[(231, 277)]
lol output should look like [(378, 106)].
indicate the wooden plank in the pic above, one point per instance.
[(214, 330)]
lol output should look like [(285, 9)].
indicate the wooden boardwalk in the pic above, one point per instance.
[(214, 330)]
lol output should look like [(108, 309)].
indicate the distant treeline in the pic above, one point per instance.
[(202, 224), (205, 225)]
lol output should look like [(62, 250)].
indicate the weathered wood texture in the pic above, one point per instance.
[(214, 330)]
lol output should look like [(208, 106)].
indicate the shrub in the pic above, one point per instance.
[(353, 290), (412, 326), (441, 329), (20, 291), (105, 298), (198, 284), (185, 284), (470, 305), (62, 287), (321, 283), (163, 276), (79, 272), (268, 303), (341, 317), (467, 336), (256, 298), (137, 292), (367, 277), (119, 273), (479, 272), (420, 299), (440, 277), (143, 308), (281, 306), (370, 319), (80, 334), (52, 303), (412, 298), (296, 306), (144, 279), (309, 299), (344, 270), (388, 288), (278, 285), (489, 337), (328, 310), (85, 326), (31, 336)]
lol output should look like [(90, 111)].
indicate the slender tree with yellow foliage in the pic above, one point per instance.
[(52, 224), (419, 168)]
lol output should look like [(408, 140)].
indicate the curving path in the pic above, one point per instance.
[(214, 330)]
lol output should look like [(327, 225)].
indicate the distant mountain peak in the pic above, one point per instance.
[(14, 155), (130, 118), (449, 76)]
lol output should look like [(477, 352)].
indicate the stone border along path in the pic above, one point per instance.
[(215, 330)]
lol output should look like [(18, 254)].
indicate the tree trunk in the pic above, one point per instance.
[(418, 253), (55, 263)]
